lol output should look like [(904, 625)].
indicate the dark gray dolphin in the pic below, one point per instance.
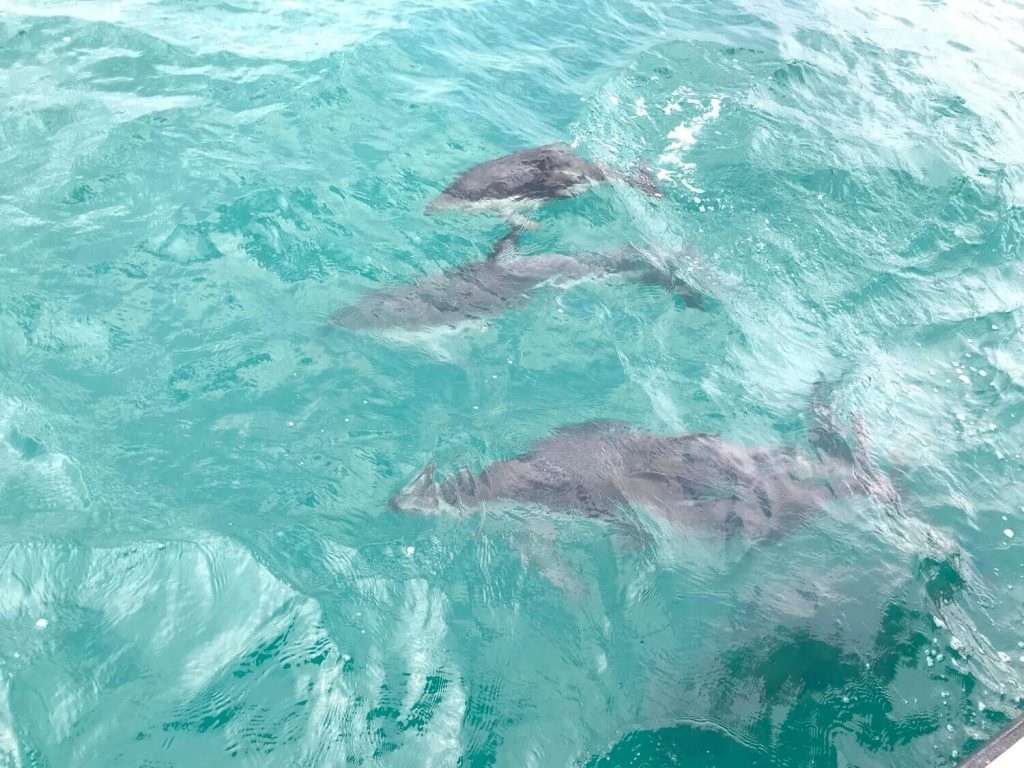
[(527, 179), (598, 467), (504, 280)]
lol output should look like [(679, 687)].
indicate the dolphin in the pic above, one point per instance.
[(597, 468), (527, 179), (505, 280)]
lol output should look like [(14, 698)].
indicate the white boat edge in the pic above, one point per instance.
[(1004, 751)]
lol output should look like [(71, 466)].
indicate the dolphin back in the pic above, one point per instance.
[(550, 171)]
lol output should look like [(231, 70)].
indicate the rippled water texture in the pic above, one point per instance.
[(198, 558)]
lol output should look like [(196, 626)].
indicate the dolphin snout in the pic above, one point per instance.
[(644, 181), (395, 504), (442, 202)]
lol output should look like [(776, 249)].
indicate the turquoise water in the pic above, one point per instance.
[(199, 565)]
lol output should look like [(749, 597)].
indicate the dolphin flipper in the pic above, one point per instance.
[(536, 547), (518, 221)]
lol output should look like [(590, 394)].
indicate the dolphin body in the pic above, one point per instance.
[(598, 467), (527, 179), (503, 281)]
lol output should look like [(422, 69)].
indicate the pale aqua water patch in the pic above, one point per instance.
[(198, 558)]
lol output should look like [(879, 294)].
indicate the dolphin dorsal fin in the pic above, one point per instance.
[(506, 246)]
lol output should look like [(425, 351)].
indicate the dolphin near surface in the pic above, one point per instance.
[(598, 467), (525, 180), (505, 280)]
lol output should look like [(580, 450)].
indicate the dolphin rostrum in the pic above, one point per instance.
[(598, 467), (527, 179), (504, 280)]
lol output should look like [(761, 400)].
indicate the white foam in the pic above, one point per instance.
[(684, 135)]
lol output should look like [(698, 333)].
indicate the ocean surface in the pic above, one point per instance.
[(198, 563)]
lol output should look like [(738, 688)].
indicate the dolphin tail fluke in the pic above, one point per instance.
[(518, 221), (507, 246), (420, 495), (645, 266)]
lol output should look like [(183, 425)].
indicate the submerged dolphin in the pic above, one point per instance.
[(598, 467), (527, 179), (505, 280)]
